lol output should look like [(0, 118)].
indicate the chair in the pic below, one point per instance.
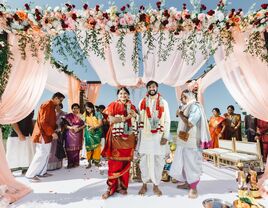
[(225, 146), (244, 152)]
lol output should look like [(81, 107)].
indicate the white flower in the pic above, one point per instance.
[(49, 9), (56, 9), (109, 24), (55, 23), (112, 9), (152, 19), (2, 44), (31, 17), (16, 25), (157, 24), (219, 16)]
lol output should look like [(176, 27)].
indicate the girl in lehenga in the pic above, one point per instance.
[(93, 134), (120, 142)]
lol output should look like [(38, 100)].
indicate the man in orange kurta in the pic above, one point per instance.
[(43, 133)]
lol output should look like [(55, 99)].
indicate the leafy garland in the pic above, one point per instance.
[(5, 66), (57, 65)]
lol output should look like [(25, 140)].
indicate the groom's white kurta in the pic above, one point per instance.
[(152, 153)]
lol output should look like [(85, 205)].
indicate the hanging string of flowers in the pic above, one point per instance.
[(5, 66), (209, 29)]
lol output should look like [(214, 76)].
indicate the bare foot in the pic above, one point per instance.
[(143, 189), (123, 192), (106, 195), (157, 191), (193, 194)]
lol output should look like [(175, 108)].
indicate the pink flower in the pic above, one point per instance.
[(201, 16), (122, 21), (178, 16), (129, 19)]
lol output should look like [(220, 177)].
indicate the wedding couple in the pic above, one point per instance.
[(153, 121)]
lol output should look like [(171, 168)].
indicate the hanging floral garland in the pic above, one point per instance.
[(205, 30), (5, 66)]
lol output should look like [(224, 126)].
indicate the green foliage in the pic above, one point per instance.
[(6, 130)]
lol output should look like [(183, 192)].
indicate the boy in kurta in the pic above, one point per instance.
[(43, 133)]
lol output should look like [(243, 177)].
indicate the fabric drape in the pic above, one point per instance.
[(245, 77)]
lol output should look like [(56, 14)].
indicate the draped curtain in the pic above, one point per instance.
[(92, 92), (203, 83), (57, 81), (73, 91), (26, 83), (175, 71), (245, 76), (16, 190), (112, 70)]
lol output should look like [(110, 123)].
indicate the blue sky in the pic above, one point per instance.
[(215, 96)]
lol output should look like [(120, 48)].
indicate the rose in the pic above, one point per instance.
[(158, 4), (211, 12), (85, 6), (203, 7), (122, 21), (123, 8), (264, 6), (27, 6)]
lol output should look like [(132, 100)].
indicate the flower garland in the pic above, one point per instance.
[(5, 66), (154, 117), (44, 26)]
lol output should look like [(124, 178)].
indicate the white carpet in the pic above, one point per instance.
[(81, 187)]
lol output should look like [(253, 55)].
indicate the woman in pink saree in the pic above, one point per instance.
[(73, 135)]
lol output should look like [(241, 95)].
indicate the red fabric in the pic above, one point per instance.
[(118, 158), (263, 130), (119, 108), (118, 175)]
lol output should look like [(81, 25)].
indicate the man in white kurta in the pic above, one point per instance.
[(193, 135), (154, 126)]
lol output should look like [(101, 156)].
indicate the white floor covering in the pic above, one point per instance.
[(80, 187)]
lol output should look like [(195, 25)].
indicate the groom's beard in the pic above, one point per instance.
[(152, 92)]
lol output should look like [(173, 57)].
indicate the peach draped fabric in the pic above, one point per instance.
[(16, 190), (25, 86), (92, 92), (245, 76), (73, 91)]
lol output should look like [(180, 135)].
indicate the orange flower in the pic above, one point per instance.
[(235, 19), (147, 19), (22, 15), (259, 14), (36, 28)]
